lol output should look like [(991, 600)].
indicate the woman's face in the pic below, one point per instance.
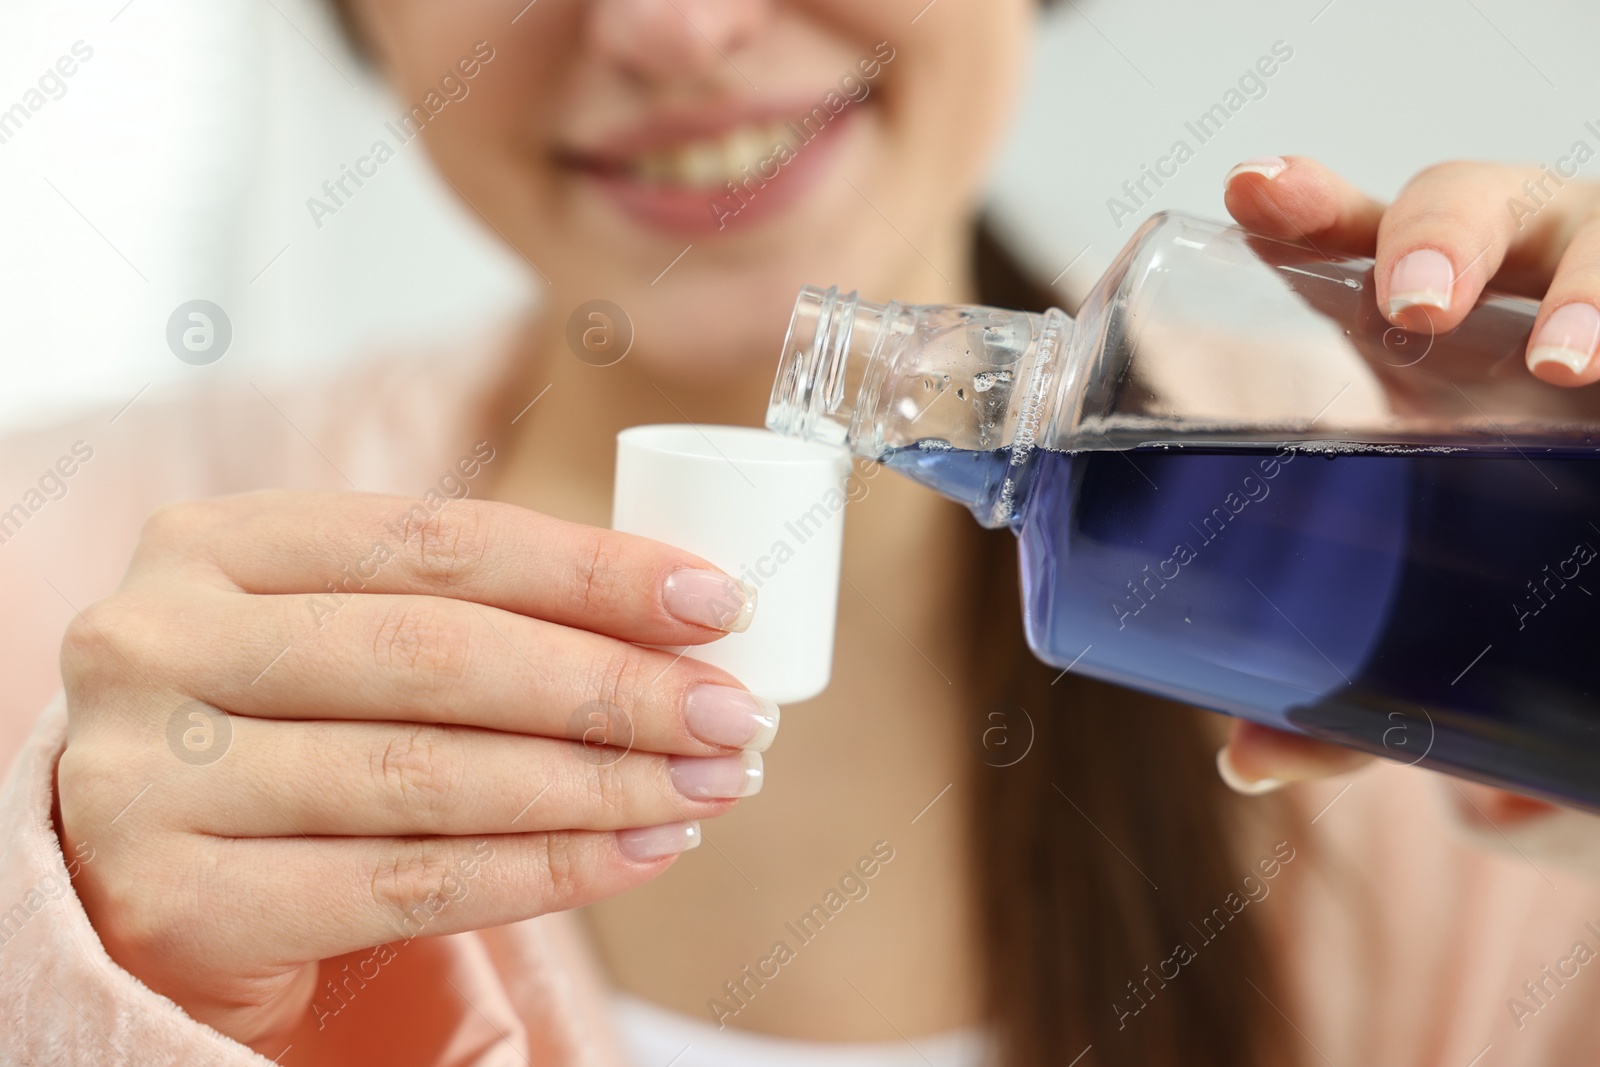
[(696, 161)]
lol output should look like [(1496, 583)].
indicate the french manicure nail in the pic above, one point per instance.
[(1269, 167), (1422, 278), (647, 843), (717, 777), (1568, 337), (1239, 784), (723, 715), (709, 598)]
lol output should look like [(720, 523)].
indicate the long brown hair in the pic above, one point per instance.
[(1098, 850)]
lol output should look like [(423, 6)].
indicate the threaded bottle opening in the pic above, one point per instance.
[(826, 353), (797, 391), (883, 379)]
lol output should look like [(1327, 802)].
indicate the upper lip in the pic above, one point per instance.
[(670, 129)]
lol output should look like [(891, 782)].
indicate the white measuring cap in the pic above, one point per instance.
[(767, 509)]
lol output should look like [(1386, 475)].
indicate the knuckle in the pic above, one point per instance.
[(1582, 278), (1575, 249), (124, 910), (1461, 174), (423, 642), (417, 771), (561, 864), (82, 640), (608, 790), (619, 673), (145, 901), (1443, 193), (86, 778), (406, 886), (597, 561), (97, 642), (448, 544), (1410, 219), (1447, 171), (1586, 229), (173, 524)]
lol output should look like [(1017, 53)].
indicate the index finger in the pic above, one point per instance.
[(1458, 226), (499, 555)]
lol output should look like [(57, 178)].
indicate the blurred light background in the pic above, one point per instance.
[(176, 163)]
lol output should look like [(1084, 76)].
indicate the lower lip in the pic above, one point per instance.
[(701, 212)]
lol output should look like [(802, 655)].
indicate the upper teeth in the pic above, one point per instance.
[(711, 164)]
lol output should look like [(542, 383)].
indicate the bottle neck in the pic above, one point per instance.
[(825, 362), (909, 384)]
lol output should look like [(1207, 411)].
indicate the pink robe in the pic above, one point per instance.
[(1409, 939)]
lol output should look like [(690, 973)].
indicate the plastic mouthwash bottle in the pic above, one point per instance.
[(1237, 486)]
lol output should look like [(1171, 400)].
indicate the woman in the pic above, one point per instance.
[(405, 681)]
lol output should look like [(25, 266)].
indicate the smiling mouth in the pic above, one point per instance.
[(702, 175), (705, 164)]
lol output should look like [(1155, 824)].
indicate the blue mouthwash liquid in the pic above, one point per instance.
[(1436, 608)]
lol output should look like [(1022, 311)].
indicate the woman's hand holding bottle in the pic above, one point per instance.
[(1455, 229)]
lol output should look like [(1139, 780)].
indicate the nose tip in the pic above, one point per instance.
[(656, 40)]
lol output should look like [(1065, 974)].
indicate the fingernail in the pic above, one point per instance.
[(1269, 167), (1568, 337), (717, 777), (1234, 781), (709, 598), (723, 715), (1422, 278), (652, 842)]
